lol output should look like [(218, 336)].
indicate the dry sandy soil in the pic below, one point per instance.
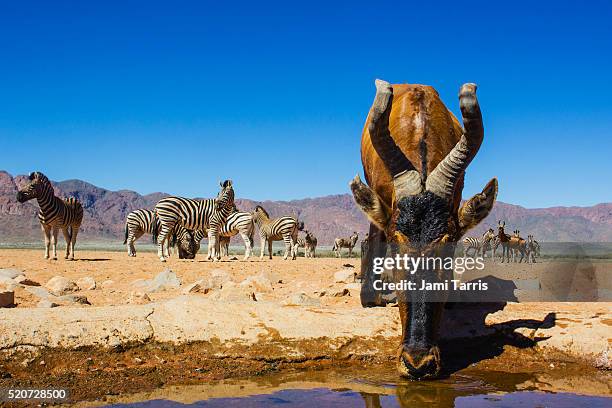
[(287, 277)]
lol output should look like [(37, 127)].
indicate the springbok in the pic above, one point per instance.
[(414, 154)]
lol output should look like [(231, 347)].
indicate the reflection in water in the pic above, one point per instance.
[(375, 390)]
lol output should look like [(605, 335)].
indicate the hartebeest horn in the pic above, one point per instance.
[(442, 180), (406, 179)]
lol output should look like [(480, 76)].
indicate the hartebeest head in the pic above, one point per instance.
[(418, 208)]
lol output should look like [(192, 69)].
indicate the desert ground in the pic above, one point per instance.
[(189, 321)]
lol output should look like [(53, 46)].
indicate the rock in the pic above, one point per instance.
[(107, 284), (39, 292), (301, 299), (10, 273), (141, 283), (7, 298), (232, 292), (74, 299), (164, 280), (219, 277), (353, 286), (58, 285), (5, 280), (199, 286), (138, 298), (348, 265), (86, 283), (260, 283), (338, 292), (47, 304), (21, 279), (344, 276)]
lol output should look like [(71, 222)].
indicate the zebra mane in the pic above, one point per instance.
[(260, 208), (37, 175)]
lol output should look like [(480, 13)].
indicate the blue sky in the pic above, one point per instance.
[(174, 96)]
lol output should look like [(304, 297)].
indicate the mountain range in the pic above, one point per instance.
[(327, 217)]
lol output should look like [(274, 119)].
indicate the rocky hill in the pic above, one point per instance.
[(329, 217)]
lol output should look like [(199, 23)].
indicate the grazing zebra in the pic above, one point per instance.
[(309, 243), (533, 249), (276, 229), (238, 222), (478, 245), (194, 214), (54, 213), (142, 221), (349, 243)]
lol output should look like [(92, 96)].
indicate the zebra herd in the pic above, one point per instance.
[(174, 222), (512, 245)]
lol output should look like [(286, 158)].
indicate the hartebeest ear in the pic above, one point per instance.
[(369, 202), (478, 207)]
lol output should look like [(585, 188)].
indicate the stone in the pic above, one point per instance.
[(199, 286), (86, 283), (107, 284), (260, 283), (338, 292), (58, 286), (47, 304), (138, 298), (166, 279), (7, 298), (10, 273), (21, 279), (232, 292), (301, 299), (81, 299), (39, 292), (344, 276), (141, 283), (219, 277)]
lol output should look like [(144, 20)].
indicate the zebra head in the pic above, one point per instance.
[(39, 186), (225, 198)]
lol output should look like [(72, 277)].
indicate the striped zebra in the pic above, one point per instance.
[(194, 214), (533, 249), (276, 229), (309, 243), (54, 213), (238, 222), (478, 245), (143, 221), (349, 243)]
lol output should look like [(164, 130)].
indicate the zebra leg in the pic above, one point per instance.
[(163, 236), (54, 241), (262, 244), (270, 248), (130, 241), (47, 236), (247, 244), (67, 238), (213, 244), (74, 231)]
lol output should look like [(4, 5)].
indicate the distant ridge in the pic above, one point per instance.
[(328, 217)]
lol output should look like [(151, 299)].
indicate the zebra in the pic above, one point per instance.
[(349, 243), (141, 221), (54, 213), (238, 222), (309, 243), (533, 249), (478, 245), (195, 214), (276, 229)]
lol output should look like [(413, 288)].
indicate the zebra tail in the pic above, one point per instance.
[(126, 234), (300, 225), (155, 232)]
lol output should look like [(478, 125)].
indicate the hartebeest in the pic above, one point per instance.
[(414, 154)]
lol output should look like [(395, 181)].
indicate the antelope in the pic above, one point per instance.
[(349, 243), (414, 154), (517, 245), (503, 240)]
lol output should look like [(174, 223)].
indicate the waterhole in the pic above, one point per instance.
[(378, 388)]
